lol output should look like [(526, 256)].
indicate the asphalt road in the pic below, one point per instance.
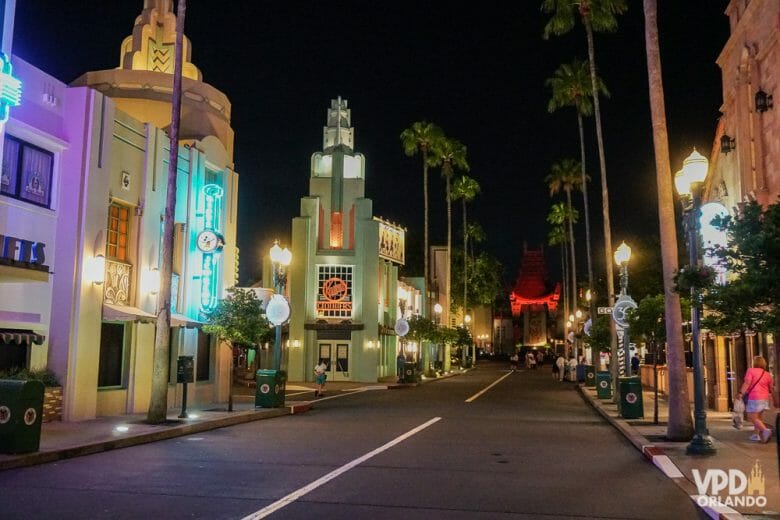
[(527, 447)]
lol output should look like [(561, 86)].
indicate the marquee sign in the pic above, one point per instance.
[(334, 294), (391, 242), (210, 263)]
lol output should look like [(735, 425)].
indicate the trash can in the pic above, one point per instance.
[(410, 372), (603, 384), (21, 412), (630, 391), (580, 373), (590, 376), (269, 389)]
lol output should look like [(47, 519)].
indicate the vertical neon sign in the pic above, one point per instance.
[(212, 209), (10, 88)]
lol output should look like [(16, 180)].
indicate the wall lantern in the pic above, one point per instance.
[(371, 344), (763, 101), (296, 343), (727, 143), (151, 281), (96, 269)]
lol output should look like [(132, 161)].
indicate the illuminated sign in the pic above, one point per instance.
[(22, 253), (209, 282), (334, 295), (391, 242), (10, 88)]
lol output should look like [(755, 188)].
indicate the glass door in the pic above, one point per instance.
[(341, 368)]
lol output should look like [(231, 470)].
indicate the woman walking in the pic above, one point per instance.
[(756, 391)]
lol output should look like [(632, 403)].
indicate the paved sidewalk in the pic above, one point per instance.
[(734, 452), (63, 440)]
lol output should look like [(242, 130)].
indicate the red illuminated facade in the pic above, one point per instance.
[(532, 298)]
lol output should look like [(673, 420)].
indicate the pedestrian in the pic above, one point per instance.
[(400, 362), (530, 360), (757, 389), (320, 375), (635, 365), (540, 358), (572, 368), (513, 359), (560, 362), (555, 370)]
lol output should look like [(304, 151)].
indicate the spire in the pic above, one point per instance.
[(338, 130), (151, 46)]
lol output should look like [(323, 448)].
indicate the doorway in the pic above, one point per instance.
[(336, 355)]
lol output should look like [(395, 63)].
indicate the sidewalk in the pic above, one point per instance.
[(758, 462), (64, 440)]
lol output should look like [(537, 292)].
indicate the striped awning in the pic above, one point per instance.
[(20, 337)]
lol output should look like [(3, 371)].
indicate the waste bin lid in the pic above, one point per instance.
[(266, 372), (22, 388)]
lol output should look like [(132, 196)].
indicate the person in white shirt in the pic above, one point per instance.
[(561, 364), (320, 375)]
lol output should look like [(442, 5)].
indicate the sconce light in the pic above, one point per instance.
[(96, 269), (296, 343), (763, 101), (371, 344), (727, 143)]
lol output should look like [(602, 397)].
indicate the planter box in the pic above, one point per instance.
[(52, 404)]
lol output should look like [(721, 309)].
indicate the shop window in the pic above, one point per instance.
[(26, 172), (112, 354), (203, 362), (118, 225)]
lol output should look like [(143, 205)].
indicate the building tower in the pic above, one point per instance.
[(336, 276)]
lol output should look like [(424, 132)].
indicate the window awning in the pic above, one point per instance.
[(20, 337), (180, 320), (115, 312)]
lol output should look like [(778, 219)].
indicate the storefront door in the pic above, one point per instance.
[(336, 356)]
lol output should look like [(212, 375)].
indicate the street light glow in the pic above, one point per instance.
[(622, 254), (695, 167)]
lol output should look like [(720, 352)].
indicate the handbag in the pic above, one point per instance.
[(737, 410)]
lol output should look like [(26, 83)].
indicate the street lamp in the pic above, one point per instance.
[(688, 182), (280, 258), (624, 302), (465, 348)]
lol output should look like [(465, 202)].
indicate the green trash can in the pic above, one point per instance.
[(269, 389), (590, 376), (410, 372), (21, 412), (630, 391), (603, 384)]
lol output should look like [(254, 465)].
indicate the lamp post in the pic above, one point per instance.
[(280, 259), (688, 182), (624, 302), (465, 348)]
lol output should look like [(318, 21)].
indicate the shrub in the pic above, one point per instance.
[(45, 376)]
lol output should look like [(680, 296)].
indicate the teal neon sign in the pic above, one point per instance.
[(10, 88), (212, 209)]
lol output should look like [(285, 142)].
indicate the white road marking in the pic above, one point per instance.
[(475, 396), (665, 464), (295, 495)]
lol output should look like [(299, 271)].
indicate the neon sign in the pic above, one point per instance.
[(10, 88), (212, 209)]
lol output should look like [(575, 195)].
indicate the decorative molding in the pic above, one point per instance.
[(118, 277)]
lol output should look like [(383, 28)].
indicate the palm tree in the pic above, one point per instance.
[(158, 402), (476, 235), (450, 154), (679, 426), (565, 176), (558, 237), (565, 216), (596, 16), (465, 189), (571, 87), (421, 137)]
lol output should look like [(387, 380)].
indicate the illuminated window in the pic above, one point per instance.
[(118, 220), (334, 294), (27, 172)]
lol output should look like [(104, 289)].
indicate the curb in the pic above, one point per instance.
[(42, 457), (661, 461)]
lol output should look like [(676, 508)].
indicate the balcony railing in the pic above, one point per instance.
[(118, 276)]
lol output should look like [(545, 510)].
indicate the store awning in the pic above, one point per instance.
[(180, 320), (20, 337), (114, 312)]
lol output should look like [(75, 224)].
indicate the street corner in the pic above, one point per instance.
[(299, 407)]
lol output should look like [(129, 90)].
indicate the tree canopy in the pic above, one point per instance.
[(239, 319)]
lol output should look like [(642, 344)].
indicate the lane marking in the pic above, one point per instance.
[(295, 495), (475, 396)]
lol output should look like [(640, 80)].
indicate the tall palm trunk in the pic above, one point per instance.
[(426, 275), (680, 425), (465, 260), (565, 270), (573, 263), (158, 404), (448, 285), (586, 207), (604, 191)]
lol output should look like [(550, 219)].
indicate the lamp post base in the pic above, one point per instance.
[(700, 445)]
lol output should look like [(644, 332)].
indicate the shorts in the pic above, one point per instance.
[(320, 379), (757, 405)]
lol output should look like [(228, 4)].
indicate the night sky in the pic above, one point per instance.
[(477, 72)]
